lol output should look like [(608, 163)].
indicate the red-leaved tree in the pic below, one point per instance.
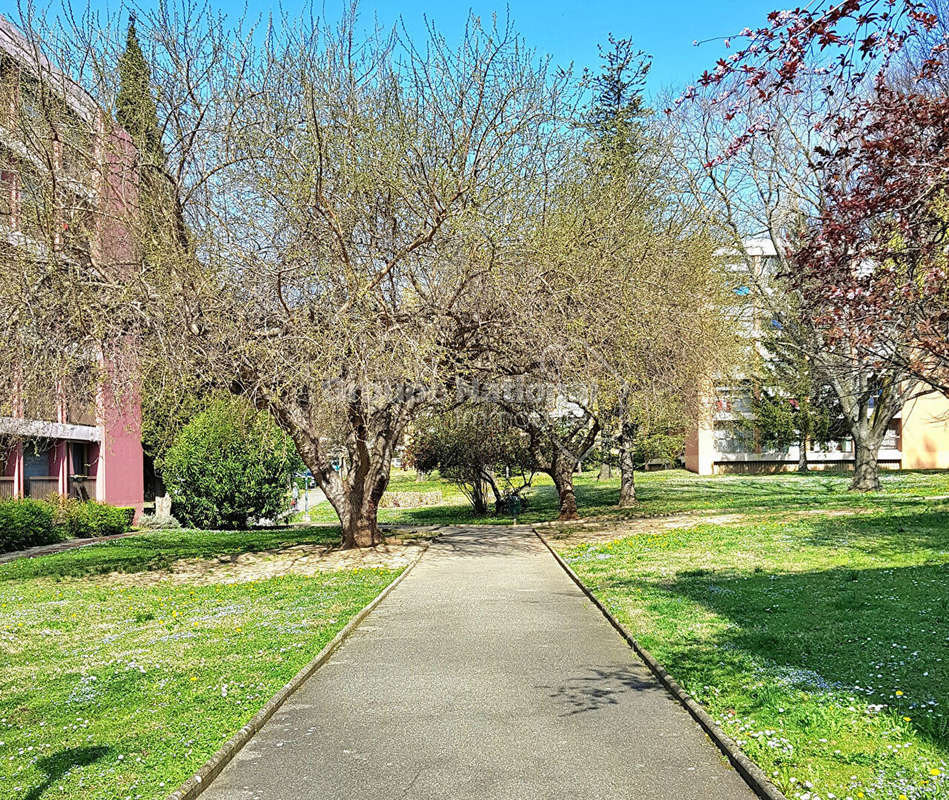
[(866, 255)]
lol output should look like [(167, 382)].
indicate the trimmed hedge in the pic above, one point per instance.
[(25, 522), (28, 523), (83, 520)]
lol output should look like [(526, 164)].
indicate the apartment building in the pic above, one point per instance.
[(67, 182), (918, 437)]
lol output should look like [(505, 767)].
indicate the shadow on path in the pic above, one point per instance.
[(600, 687)]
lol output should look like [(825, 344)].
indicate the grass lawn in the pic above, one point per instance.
[(820, 642), (666, 492), (111, 690)]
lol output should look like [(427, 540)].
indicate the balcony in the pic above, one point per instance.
[(44, 487), (41, 429), (82, 487)]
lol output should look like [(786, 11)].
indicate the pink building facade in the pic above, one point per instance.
[(89, 450)]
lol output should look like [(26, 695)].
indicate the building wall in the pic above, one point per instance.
[(700, 449), (104, 181), (919, 436), (120, 478), (926, 432)]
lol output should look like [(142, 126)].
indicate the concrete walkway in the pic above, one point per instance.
[(485, 674)]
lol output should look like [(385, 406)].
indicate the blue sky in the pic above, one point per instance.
[(569, 30)]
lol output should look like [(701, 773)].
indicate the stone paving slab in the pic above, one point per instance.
[(485, 674)]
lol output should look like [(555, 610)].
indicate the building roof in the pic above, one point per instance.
[(28, 54)]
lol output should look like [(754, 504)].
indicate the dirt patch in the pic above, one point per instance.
[(302, 559), (410, 499)]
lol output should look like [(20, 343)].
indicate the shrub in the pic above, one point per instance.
[(83, 520), (129, 513), (27, 523), (478, 450), (228, 465)]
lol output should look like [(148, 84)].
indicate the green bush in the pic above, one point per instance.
[(129, 513), (27, 523), (229, 465), (83, 520)]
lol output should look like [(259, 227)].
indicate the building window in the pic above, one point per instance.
[(890, 438), (733, 400), (732, 438)]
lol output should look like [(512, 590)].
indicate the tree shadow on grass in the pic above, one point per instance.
[(835, 629), (677, 491), (884, 535), (770, 492), (58, 764)]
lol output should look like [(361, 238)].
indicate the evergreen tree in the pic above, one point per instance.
[(791, 404), (617, 109), (136, 109), (164, 234), (163, 237), (619, 149)]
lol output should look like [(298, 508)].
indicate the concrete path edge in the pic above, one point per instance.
[(201, 779), (753, 775)]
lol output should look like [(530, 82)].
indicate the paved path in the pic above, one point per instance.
[(485, 674)]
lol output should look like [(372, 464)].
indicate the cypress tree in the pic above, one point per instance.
[(165, 233), (135, 106)]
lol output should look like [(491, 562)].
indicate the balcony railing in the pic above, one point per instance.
[(44, 487), (47, 486), (82, 488)]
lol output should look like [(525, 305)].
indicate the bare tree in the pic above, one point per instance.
[(769, 187), (348, 200), (621, 315)]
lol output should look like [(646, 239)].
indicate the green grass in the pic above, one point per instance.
[(667, 492), (152, 551), (821, 644), (111, 690)]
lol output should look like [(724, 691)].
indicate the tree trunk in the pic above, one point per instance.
[(559, 456), (866, 472), (488, 478), (563, 481), (627, 450), (477, 497), (355, 497), (361, 530), (606, 469), (802, 455)]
